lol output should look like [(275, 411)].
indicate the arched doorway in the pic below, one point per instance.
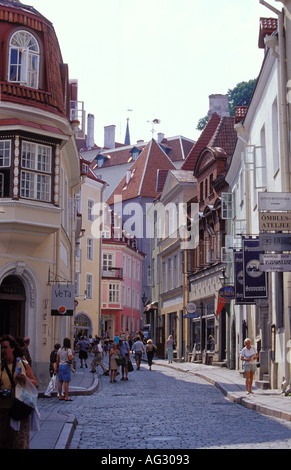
[(12, 307), (82, 323)]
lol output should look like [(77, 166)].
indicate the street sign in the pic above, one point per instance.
[(191, 307), (274, 221), (277, 262), (239, 280), (275, 241), (274, 201)]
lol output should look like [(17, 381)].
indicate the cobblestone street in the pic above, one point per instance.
[(168, 409)]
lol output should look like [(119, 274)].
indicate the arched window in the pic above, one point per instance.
[(24, 59)]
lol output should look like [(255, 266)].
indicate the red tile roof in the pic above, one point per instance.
[(203, 141), (267, 27), (143, 181)]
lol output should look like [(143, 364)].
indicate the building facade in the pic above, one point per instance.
[(39, 174)]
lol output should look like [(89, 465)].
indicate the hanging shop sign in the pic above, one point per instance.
[(227, 292), (274, 201), (239, 280), (277, 262), (62, 300), (274, 221), (255, 280), (275, 241)]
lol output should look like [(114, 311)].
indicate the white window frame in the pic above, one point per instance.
[(24, 68), (90, 249), (89, 286), (36, 165), (90, 205), (113, 293), (5, 153)]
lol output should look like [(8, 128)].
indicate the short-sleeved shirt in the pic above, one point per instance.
[(247, 353), (64, 355)]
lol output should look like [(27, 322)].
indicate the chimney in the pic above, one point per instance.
[(160, 137), (218, 104), (90, 131), (109, 137)]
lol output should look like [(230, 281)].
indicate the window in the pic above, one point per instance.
[(114, 293), (201, 191), (89, 286), (107, 261), (36, 172), (24, 59), (90, 215), (90, 246), (5, 153), (1, 185)]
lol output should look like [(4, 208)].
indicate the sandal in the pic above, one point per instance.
[(68, 399)]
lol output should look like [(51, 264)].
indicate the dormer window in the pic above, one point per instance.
[(24, 57)]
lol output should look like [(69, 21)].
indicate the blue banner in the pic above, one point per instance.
[(255, 280)]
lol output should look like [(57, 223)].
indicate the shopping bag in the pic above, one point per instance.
[(25, 400), (130, 366), (51, 386)]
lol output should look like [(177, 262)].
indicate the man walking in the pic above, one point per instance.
[(84, 347), (138, 348)]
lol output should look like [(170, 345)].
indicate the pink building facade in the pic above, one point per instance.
[(121, 305)]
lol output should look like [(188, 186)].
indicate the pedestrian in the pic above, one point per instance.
[(150, 350), (52, 370), (26, 352), (170, 348), (116, 339), (98, 358), (113, 366), (249, 356), (65, 357), (9, 437), (84, 347), (125, 354), (138, 348)]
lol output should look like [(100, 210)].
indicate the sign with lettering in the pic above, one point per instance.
[(239, 280), (255, 281), (274, 221), (274, 201), (62, 300), (275, 241), (279, 262)]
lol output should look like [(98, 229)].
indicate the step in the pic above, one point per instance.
[(263, 384)]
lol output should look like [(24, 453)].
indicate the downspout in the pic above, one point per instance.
[(285, 146)]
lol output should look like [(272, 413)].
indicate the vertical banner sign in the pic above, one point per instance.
[(255, 281), (62, 300), (239, 280)]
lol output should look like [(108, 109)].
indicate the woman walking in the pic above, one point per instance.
[(64, 359), (249, 355), (113, 366), (11, 354), (150, 350), (170, 348)]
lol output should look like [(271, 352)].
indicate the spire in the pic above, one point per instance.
[(127, 136)]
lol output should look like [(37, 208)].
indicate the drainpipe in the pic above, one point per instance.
[(285, 143)]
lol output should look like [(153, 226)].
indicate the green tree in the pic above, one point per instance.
[(240, 95)]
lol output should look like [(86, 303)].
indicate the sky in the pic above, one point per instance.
[(155, 59)]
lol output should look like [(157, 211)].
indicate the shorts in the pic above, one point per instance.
[(138, 355), (250, 367), (65, 372), (83, 354)]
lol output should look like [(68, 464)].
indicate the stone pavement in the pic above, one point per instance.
[(57, 428)]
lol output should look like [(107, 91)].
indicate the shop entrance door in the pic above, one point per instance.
[(12, 307)]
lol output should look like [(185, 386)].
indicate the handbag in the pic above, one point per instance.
[(130, 366), (19, 410)]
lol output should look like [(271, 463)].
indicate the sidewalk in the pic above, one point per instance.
[(56, 427)]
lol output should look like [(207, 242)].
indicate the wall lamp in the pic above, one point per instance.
[(272, 42)]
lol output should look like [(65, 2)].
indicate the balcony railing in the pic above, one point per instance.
[(112, 273)]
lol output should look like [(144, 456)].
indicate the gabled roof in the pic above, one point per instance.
[(203, 141), (143, 174), (219, 132)]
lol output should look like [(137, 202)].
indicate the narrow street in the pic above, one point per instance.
[(168, 409)]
